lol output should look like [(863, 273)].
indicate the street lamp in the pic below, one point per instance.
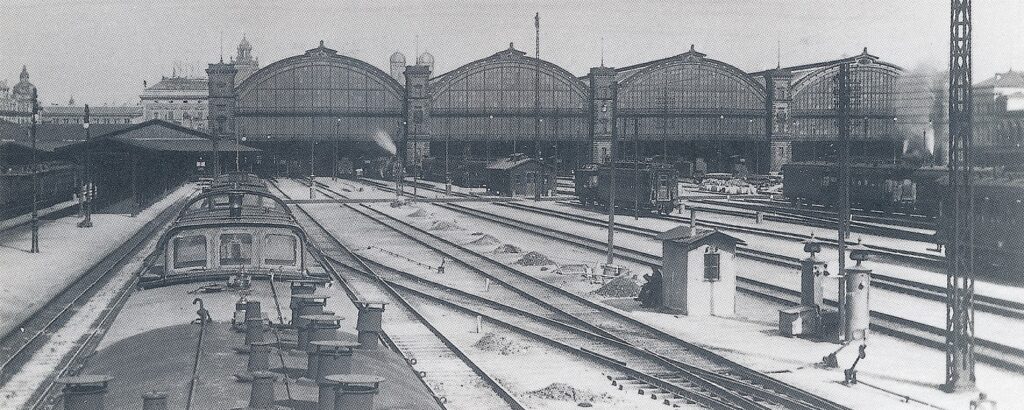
[(337, 136), (35, 174), (87, 174)]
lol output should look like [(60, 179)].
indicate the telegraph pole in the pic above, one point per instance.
[(35, 174), (843, 123), (87, 177), (538, 181), (611, 176), (960, 221)]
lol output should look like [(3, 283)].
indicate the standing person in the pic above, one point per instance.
[(440, 268)]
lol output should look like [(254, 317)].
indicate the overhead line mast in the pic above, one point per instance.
[(960, 221)]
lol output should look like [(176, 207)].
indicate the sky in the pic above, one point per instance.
[(101, 51)]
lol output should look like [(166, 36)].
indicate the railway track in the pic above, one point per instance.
[(996, 354), (728, 375), (925, 260), (997, 306), (407, 331), (30, 340), (1002, 307)]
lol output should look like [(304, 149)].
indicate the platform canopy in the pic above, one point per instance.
[(157, 136)]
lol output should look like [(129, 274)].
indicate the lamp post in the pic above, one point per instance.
[(611, 174), (87, 174), (312, 176), (35, 174), (337, 136)]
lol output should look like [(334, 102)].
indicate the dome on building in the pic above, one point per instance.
[(426, 59), (398, 58), (23, 89), (244, 44)]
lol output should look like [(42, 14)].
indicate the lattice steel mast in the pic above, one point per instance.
[(960, 221), (843, 218)]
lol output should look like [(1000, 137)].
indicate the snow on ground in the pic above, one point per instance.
[(21, 219), (752, 338), (44, 362), (531, 365), (66, 251)]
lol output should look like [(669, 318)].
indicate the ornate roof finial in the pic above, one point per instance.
[(602, 51), (24, 73), (321, 43), (692, 48), (511, 45)]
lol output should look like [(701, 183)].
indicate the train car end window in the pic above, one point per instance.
[(190, 252), (236, 249), (280, 250)]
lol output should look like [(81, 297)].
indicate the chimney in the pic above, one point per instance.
[(154, 401), (368, 324), (261, 397), (84, 392), (355, 391)]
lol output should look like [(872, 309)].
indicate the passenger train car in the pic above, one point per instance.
[(235, 227), (647, 186)]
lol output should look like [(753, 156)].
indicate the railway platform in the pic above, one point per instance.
[(66, 252)]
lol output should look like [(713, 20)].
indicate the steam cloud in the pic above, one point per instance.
[(384, 140)]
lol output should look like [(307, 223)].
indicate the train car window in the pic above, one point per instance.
[(235, 249), (252, 201), (220, 201), (190, 251), (280, 250)]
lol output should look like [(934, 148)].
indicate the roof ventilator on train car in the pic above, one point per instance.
[(328, 357), (318, 327), (84, 392), (154, 401), (368, 324), (354, 391)]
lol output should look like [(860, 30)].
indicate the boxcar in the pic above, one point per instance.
[(998, 226), (645, 186)]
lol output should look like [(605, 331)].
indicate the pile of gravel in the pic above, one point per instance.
[(445, 226), (620, 287), (506, 248), (485, 240), (497, 343), (565, 392), (534, 259), (419, 213)]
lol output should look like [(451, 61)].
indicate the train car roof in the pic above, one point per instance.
[(213, 208)]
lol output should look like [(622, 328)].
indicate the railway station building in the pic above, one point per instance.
[(320, 106)]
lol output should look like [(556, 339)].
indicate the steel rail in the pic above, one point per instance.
[(596, 308), (131, 248), (510, 400), (688, 372)]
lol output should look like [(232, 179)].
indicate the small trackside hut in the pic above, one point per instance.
[(520, 175), (698, 271)]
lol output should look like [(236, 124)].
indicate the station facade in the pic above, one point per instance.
[(320, 105)]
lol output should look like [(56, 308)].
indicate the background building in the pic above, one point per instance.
[(183, 100), (999, 120), (75, 114), (681, 108), (16, 102)]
